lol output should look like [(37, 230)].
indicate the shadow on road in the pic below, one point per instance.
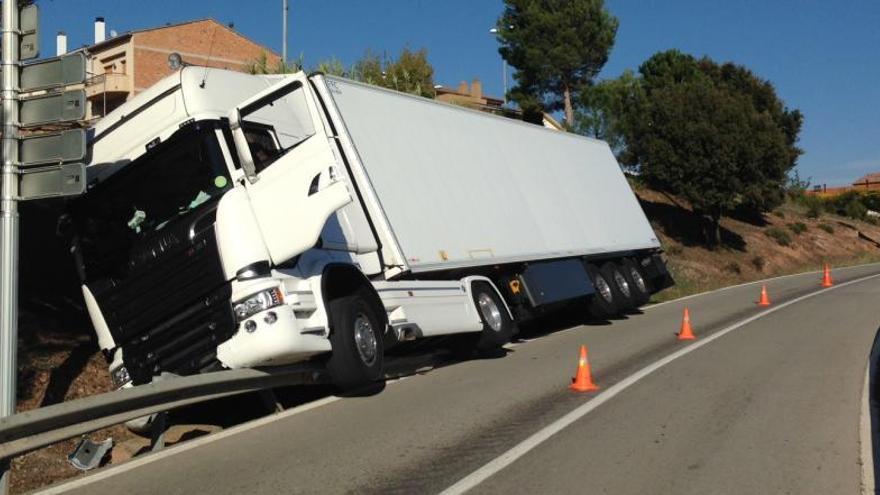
[(403, 360)]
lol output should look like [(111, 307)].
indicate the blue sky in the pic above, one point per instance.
[(823, 57)]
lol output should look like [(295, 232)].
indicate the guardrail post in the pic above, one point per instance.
[(271, 400), (5, 464), (157, 432)]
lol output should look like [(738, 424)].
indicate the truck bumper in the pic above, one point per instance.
[(270, 343)]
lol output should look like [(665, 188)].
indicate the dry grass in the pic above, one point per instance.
[(750, 246)]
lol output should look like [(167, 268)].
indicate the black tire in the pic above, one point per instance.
[(603, 304), (619, 285), (498, 327), (356, 337), (638, 283)]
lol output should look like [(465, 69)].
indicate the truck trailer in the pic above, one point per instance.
[(236, 220)]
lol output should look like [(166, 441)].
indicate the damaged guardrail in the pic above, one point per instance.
[(31, 430)]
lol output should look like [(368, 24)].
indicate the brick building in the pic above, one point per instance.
[(472, 97), (867, 183), (129, 63)]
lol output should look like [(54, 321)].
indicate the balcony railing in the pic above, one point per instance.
[(109, 84)]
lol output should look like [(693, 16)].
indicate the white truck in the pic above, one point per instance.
[(234, 221)]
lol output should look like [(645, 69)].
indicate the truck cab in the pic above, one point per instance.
[(221, 229)]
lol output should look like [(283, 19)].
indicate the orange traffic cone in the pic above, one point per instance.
[(765, 299), (826, 277), (686, 333), (583, 379)]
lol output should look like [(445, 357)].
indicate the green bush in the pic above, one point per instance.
[(813, 204), (779, 213), (871, 200), (826, 228), (759, 262), (780, 236), (798, 227), (855, 209), (849, 204)]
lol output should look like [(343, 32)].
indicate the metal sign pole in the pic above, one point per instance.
[(9, 221), (284, 9)]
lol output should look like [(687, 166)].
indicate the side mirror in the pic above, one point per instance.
[(242, 148)]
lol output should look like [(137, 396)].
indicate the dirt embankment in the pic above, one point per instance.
[(782, 242), (59, 359)]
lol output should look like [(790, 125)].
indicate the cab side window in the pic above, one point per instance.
[(277, 126)]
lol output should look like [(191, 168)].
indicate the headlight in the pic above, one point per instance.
[(260, 301), (119, 376)]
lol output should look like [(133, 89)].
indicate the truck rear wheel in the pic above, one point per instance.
[(638, 284), (603, 304), (619, 285), (498, 327), (356, 340)]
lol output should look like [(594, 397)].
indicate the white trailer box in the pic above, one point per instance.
[(461, 188)]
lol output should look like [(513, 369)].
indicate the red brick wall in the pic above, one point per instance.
[(194, 41)]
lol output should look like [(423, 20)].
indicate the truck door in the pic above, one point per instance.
[(291, 173)]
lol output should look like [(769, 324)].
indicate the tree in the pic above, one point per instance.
[(603, 107), (557, 48), (332, 67), (715, 134), (262, 65), (410, 72), (740, 80)]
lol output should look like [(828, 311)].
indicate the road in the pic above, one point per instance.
[(770, 404)]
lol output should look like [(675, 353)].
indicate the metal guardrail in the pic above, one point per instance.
[(31, 430)]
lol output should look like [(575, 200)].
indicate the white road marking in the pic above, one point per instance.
[(507, 458), (753, 282), (865, 440)]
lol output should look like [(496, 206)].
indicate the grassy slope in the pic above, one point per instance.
[(748, 252)]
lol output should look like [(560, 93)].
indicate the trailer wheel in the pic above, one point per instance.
[(619, 285), (603, 304), (356, 340), (638, 284)]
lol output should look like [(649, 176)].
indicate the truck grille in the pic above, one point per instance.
[(172, 308)]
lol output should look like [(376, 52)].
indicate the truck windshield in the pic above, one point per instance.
[(182, 175)]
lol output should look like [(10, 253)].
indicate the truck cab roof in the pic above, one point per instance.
[(191, 93)]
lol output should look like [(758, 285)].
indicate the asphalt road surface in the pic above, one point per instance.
[(764, 401)]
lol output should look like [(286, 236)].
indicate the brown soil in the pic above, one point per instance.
[(58, 362), (748, 252)]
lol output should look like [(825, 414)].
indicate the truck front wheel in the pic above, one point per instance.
[(356, 339)]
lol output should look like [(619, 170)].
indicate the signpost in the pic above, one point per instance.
[(38, 166), (50, 108), (65, 70)]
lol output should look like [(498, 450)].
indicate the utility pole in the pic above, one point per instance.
[(9, 221), (494, 31), (285, 9)]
